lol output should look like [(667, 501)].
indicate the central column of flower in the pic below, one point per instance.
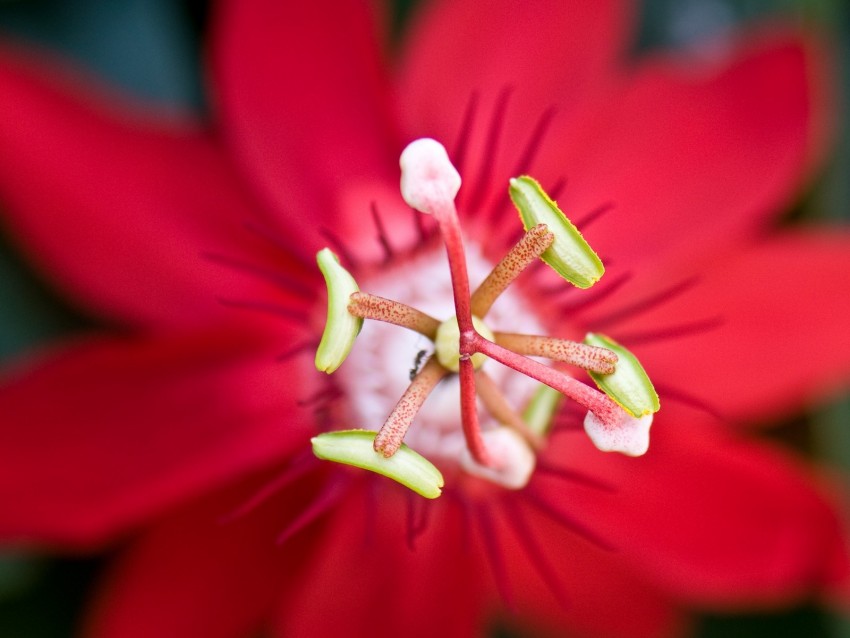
[(430, 183), (619, 413)]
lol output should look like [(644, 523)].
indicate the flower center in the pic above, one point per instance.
[(503, 447), (386, 358)]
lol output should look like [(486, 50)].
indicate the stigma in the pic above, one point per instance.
[(501, 445)]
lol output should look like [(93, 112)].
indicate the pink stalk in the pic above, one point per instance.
[(597, 402), (469, 414), (446, 216)]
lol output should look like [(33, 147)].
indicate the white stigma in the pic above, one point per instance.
[(629, 435), (513, 460), (427, 175)]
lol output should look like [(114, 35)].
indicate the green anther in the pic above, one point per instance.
[(569, 255), (341, 327), (628, 385), (355, 447), (541, 409)]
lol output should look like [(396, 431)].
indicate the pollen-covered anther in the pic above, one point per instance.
[(512, 460), (428, 177), (623, 433)]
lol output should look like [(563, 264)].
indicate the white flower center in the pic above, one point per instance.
[(378, 370)]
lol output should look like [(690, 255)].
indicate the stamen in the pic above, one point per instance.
[(356, 448), (593, 358), (524, 253), (391, 434), (570, 255), (341, 328), (366, 306)]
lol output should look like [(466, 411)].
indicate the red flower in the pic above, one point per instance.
[(175, 417)]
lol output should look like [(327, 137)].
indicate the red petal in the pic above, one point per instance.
[(695, 153), (192, 575), (302, 99), (367, 575), (102, 434), (547, 56), (116, 207), (783, 341), (590, 580), (711, 519), (364, 578)]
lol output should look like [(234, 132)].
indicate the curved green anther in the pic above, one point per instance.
[(341, 327), (355, 447), (628, 385), (569, 255)]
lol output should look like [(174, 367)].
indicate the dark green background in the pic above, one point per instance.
[(151, 48)]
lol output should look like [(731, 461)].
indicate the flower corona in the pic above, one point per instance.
[(618, 418)]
